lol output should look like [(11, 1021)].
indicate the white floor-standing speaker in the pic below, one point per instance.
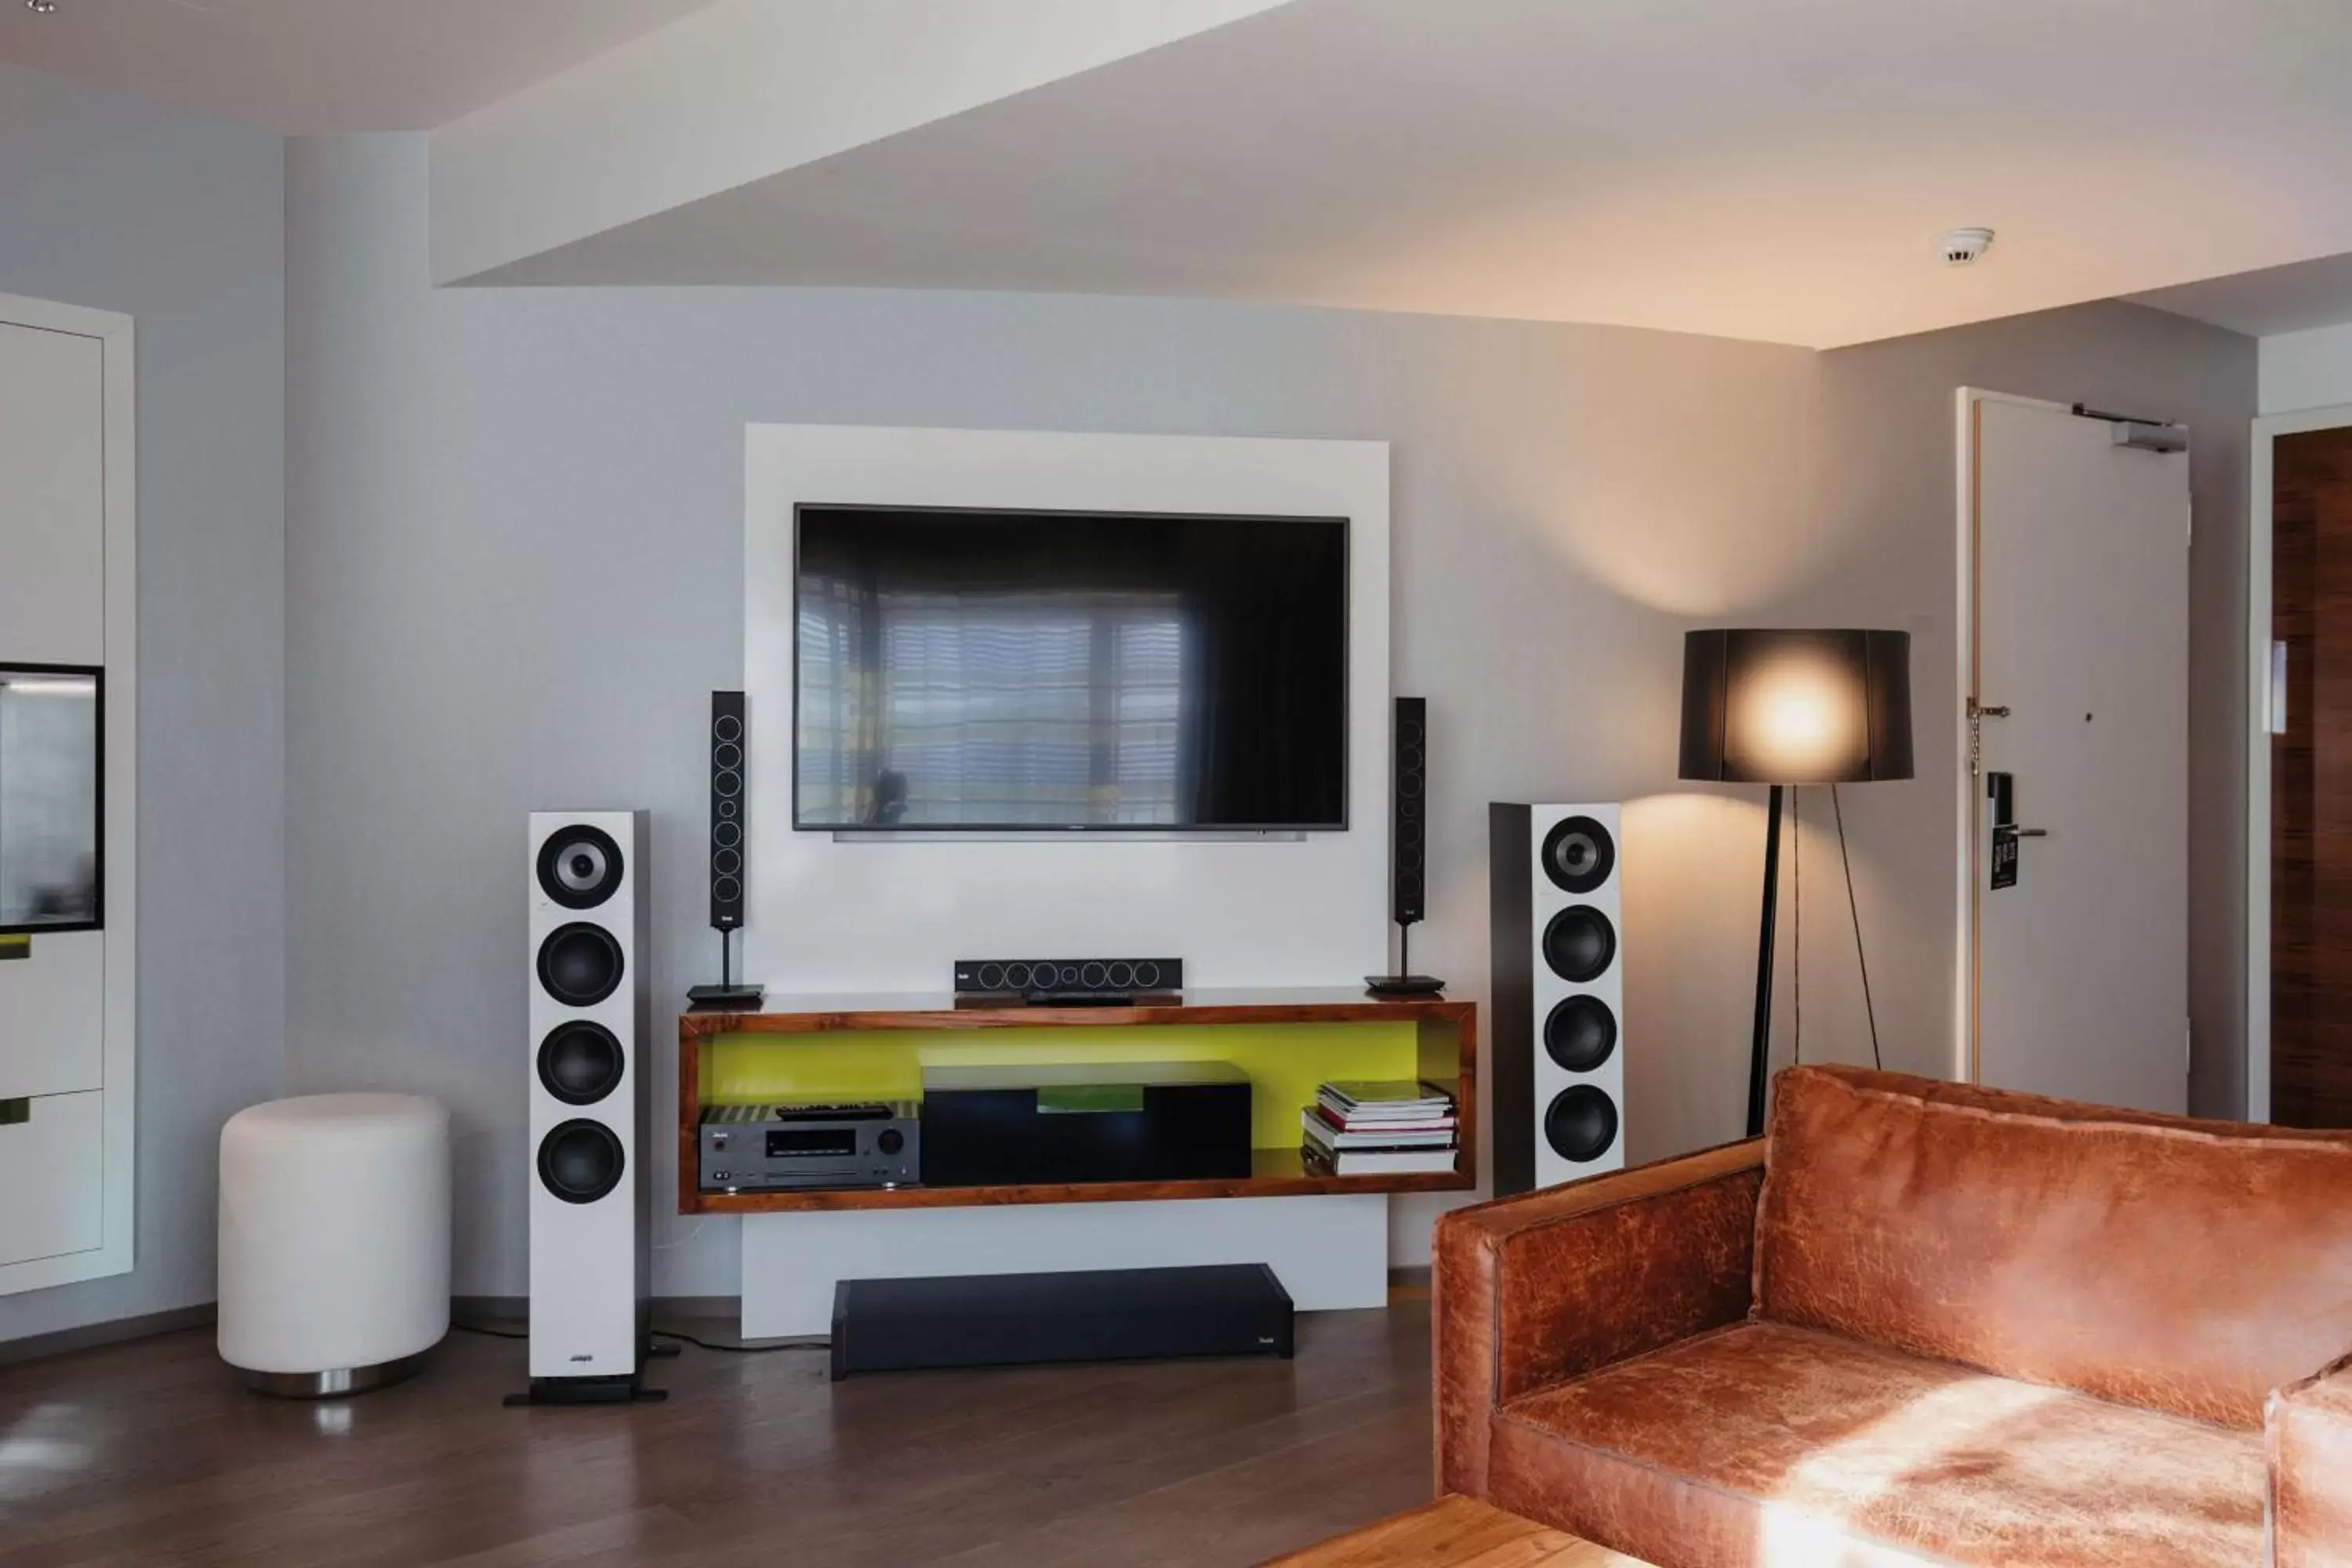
[(1559, 993), (591, 1021)]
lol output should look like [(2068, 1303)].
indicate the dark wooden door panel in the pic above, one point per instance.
[(2311, 784)]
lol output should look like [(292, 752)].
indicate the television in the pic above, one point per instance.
[(971, 670), (52, 776)]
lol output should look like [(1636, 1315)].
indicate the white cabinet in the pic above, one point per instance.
[(52, 497), (69, 767), (53, 1016), (53, 1168)]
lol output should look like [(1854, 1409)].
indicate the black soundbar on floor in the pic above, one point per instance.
[(1011, 1320)]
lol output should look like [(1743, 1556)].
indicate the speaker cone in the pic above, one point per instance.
[(580, 964), (579, 1162), (1580, 1033), (1580, 1123), (727, 728), (728, 757), (1095, 976), (1580, 944), (1579, 854), (580, 1063), (579, 866)]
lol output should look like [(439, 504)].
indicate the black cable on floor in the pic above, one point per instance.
[(668, 1334), (744, 1350), (486, 1334)]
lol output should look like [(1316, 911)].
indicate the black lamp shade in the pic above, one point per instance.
[(1796, 707)]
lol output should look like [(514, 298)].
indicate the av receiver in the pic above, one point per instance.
[(770, 1148), (1068, 979)]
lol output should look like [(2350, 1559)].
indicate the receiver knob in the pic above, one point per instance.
[(891, 1141)]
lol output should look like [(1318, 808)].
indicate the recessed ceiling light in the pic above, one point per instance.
[(41, 7)]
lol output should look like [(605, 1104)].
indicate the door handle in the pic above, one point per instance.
[(2277, 718), (2031, 832)]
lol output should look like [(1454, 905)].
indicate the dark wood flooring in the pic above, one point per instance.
[(149, 1453)]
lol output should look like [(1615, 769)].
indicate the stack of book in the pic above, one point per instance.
[(1379, 1129)]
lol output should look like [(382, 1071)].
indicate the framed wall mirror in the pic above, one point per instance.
[(52, 798)]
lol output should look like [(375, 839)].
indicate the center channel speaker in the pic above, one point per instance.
[(590, 1017), (1558, 991)]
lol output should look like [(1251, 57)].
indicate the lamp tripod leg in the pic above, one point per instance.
[(1759, 1049)]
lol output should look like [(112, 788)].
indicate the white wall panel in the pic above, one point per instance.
[(893, 915)]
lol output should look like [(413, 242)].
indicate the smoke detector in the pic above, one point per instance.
[(1962, 245)]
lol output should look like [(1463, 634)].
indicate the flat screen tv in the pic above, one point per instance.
[(52, 778), (995, 670)]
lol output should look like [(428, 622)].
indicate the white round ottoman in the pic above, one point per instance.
[(335, 1241)]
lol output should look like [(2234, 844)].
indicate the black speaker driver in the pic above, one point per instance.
[(1580, 944), (1581, 1124), (727, 755), (580, 964), (1580, 1034), (1579, 854), (727, 727), (579, 1162), (726, 890), (579, 866), (580, 1063)]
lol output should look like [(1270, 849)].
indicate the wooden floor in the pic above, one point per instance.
[(150, 1454)]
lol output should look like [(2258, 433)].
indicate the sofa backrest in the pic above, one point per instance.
[(2183, 1266)]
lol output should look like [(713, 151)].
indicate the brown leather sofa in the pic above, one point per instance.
[(1918, 1323)]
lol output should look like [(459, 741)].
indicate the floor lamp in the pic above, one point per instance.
[(1784, 708)]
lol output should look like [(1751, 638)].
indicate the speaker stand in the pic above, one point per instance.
[(726, 996), (1406, 983), (626, 1389)]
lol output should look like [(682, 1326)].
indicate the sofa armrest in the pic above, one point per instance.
[(1530, 1290), (2309, 1428)]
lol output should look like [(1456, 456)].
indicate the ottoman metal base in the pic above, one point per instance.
[(333, 1385)]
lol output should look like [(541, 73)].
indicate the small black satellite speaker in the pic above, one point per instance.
[(1409, 833), (1408, 846), (729, 800)]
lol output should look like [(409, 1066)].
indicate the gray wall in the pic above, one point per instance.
[(107, 202), (1883, 484), (514, 527)]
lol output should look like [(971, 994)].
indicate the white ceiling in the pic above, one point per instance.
[(1774, 169), (2291, 298), (1770, 169), (303, 66)]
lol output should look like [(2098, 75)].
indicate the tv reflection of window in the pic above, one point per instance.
[(1011, 708), (49, 793)]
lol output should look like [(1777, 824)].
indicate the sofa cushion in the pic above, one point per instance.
[(1778, 1448), (2189, 1266)]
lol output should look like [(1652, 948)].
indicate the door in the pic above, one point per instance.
[(2311, 779), (2079, 666)]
